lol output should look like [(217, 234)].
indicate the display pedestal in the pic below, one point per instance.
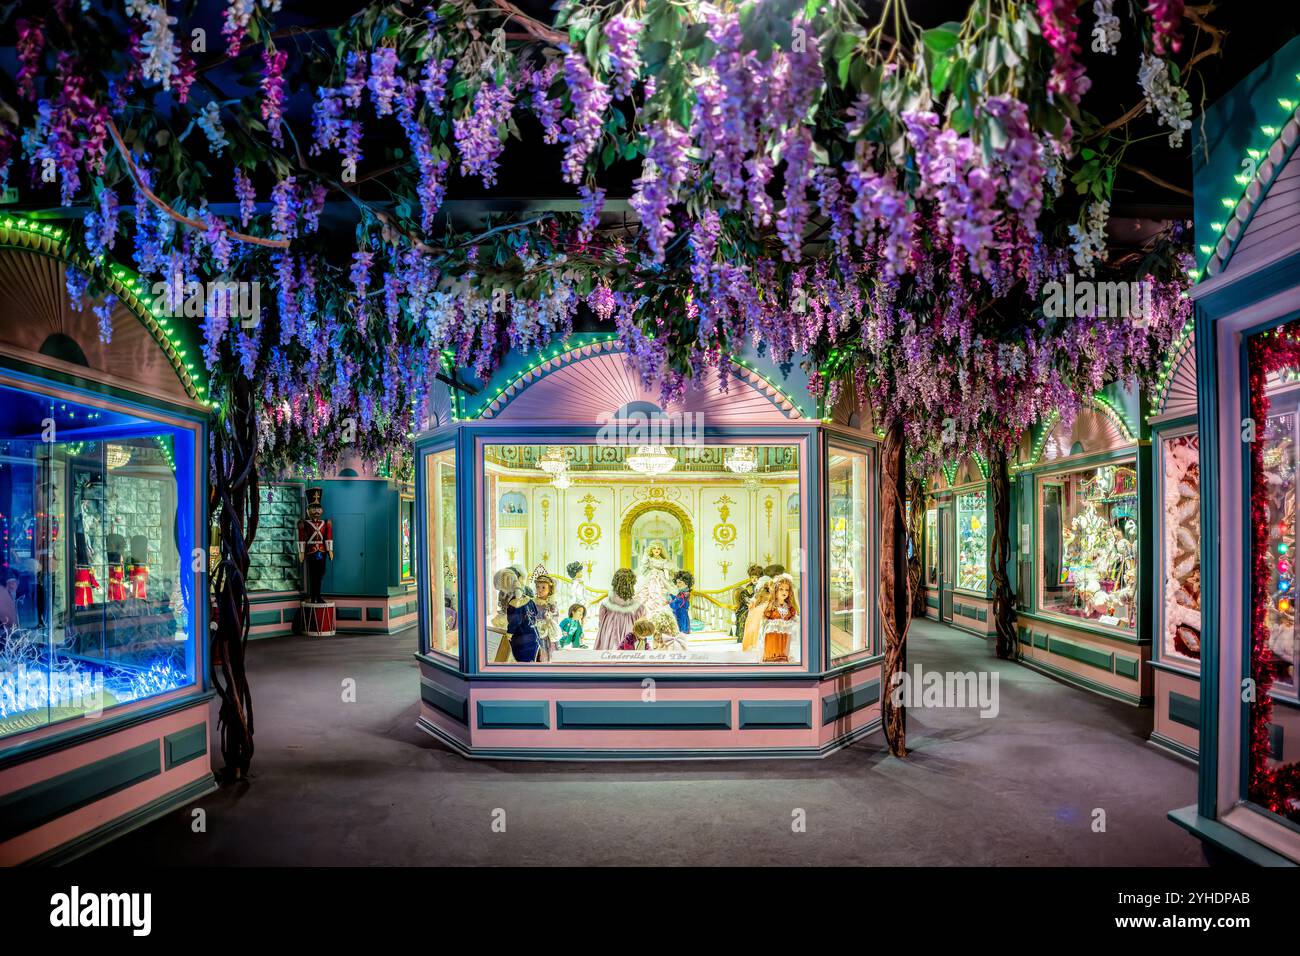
[(318, 619)]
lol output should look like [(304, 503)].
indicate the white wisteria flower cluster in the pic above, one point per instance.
[(1088, 242), (1170, 102), (158, 45), (209, 120), (1105, 32)]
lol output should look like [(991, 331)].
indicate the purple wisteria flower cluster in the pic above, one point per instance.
[(622, 34), (477, 133), (590, 99)]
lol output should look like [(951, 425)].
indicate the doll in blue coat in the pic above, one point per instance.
[(680, 602)]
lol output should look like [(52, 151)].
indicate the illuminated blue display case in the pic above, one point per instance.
[(103, 667)]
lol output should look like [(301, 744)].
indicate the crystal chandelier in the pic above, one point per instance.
[(553, 462), (651, 460), (562, 480), (741, 459), (117, 456)]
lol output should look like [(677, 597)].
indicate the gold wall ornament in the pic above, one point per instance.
[(588, 531), (767, 510), (629, 518), (510, 554), (724, 565), (724, 532), (546, 511)]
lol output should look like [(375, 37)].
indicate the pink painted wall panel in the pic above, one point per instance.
[(1166, 684), (72, 825)]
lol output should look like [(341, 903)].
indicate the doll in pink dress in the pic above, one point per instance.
[(619, 611)]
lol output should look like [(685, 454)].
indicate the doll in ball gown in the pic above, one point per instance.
[(655, 578), (754, 619), (547, 619), (619, 611), (780, 626)]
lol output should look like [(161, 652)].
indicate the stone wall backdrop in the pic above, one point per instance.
[(273, 560), (129, 505)]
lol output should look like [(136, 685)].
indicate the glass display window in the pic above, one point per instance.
[(972, 541), (443, 585), (1272, 774), (932, 547), (406, 537), (632, 554), (1088, 544), (848, 544), (1180, 549), (1279, 459), (97, 556)]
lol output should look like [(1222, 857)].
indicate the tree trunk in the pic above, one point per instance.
[(1004, 609), (916, 532), (235, 504), (895, 602)]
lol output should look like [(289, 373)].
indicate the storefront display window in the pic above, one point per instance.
[(932, 547), (1274, 358), (1181, 548), (444, 607), (847, 545), (1088, 544), (97, 547), (1279, 458), (406, 537), (972, 541), (633, 554)]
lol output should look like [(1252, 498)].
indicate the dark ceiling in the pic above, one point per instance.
[(530, 170)]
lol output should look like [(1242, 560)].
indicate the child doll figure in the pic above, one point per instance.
[(680, 602), (754, 619), (547, 622), (667, 637), (641, 638), (619, 611), (577, 592), (571, 626), (780, 621)]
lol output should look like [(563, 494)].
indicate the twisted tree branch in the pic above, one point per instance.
[(178, 217)]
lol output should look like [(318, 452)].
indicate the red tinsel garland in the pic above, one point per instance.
[(1273, 787)]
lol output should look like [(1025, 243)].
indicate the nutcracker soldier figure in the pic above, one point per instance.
[(85, 583), (139, 570), (315, 548), (115, 544)]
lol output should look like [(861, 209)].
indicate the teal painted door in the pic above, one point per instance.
[(347, 571), (947, 561)]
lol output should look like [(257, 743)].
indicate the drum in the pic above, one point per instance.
[(318, 619)]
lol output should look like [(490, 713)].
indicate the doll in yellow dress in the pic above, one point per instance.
[(754, 619)]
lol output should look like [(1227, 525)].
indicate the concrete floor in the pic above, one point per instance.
[(357, 783)]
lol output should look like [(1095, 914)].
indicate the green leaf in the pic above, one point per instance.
[(845, 43), (943, 37), (940, 75), (961, 119)]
